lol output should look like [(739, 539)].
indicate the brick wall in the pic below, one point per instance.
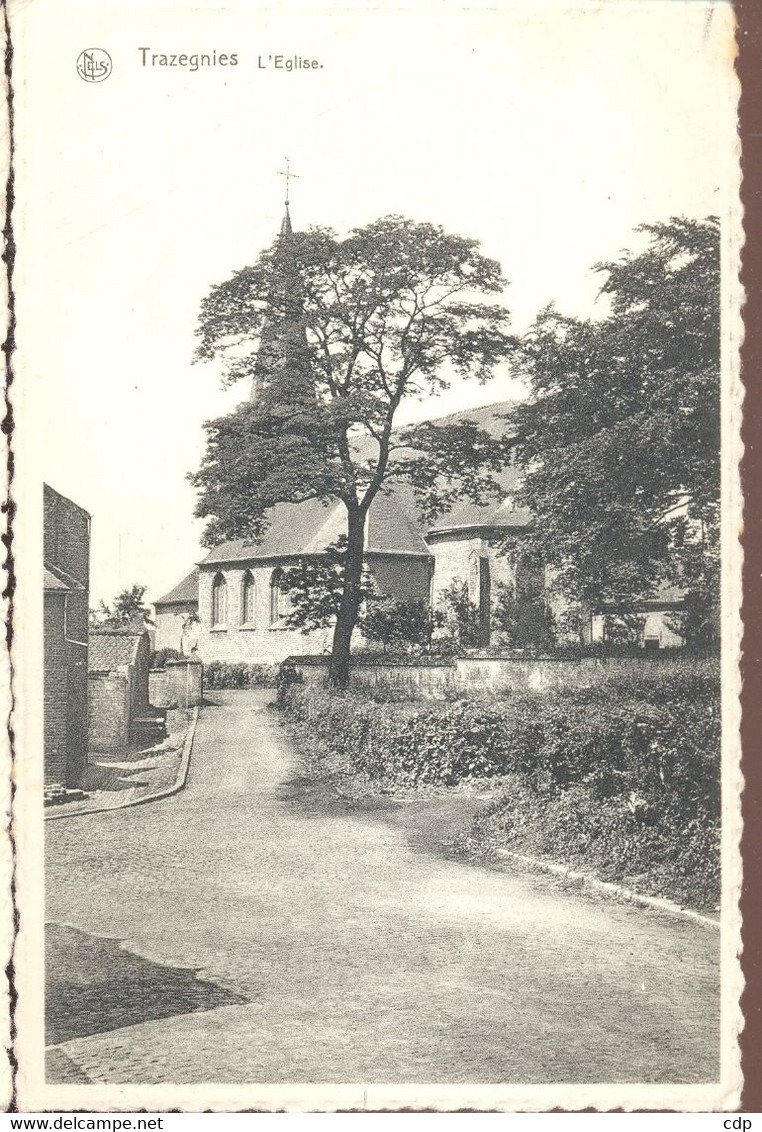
[(158, 688), (76, 713), (180, 684), (55, 688), (108, 716), (138, 678), (66, 546)]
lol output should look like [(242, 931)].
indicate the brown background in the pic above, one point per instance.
[(749, 15)]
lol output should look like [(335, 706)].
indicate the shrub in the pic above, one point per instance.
[(160, 657), (524, 621), (623, 776), (400, 625), (221, 674), (287, 675), (461, 616)]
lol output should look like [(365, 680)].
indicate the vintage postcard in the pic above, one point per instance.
[(377, 578)]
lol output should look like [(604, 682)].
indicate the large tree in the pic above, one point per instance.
[(337, 334), (621, 436)]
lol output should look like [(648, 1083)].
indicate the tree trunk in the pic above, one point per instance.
[(338, 672)]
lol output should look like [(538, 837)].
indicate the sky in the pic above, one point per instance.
[(547, 131)]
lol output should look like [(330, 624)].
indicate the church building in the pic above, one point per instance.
[(233, 607), (242, 609)]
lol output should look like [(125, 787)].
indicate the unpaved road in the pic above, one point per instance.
[(232, 934)]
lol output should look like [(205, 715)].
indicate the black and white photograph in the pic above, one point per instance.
[(377, 614)]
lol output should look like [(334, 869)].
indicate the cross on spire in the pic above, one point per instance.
[(288, 175)]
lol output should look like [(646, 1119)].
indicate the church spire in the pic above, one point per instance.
[(282, 368), (285, 228)]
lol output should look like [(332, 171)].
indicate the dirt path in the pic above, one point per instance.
[(263, 939)]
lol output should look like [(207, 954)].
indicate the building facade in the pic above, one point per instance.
[(66, 582), (241, 609), (119, 663), (177, 617), (243, 606)]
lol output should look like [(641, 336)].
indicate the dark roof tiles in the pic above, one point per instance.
[(308, 528), (184, 592), (109, 649)]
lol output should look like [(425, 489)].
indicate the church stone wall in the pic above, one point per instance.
[(255, 643), (453, 562), (261, 642), (169, 626)]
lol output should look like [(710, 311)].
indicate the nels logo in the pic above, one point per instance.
[(94, 65)]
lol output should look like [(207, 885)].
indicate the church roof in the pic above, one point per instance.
[(498, 515), (309, 527), (185, 591), (394, 524)]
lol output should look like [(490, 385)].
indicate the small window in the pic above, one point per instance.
[(279, 603), (248, 599), (219, 601)]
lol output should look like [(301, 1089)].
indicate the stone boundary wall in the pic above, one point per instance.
[(179, 684), (495, 674)]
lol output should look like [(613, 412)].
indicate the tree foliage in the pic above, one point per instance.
[(315, 585), (127, 611), (350, 328), (400, 625), (523, 622), (461, 615), (621, 437)]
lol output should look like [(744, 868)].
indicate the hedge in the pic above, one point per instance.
[(624, 776), (160, 657), (222, 674)]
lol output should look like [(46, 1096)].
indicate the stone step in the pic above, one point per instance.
[(148, 730)]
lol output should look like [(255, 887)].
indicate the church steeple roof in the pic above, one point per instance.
[(282, 371)]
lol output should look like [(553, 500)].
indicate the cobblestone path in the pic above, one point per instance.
[(228, 934)]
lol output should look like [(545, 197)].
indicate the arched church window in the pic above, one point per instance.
[(279, 604), (219, 600), (248, 599)]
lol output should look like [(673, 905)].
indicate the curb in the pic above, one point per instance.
[(657, 903), (165, 792)]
